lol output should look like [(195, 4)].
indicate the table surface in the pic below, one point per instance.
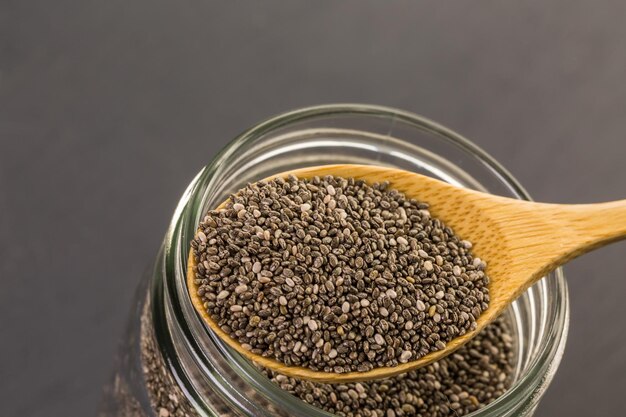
[(108, 109)]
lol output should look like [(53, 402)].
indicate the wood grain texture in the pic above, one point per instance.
[(520, 241)]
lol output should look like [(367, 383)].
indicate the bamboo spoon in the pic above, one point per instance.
[(521, 241)]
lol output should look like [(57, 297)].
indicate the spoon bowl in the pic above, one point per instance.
[(520, 241)]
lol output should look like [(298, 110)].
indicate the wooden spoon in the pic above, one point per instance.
[(521, 241)]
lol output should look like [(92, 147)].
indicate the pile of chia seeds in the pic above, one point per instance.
[(166, 397), (336, 275), (459, 384), (456, 385)]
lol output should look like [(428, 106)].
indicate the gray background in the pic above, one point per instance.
[(108, 108)]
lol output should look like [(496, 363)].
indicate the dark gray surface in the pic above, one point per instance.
[(108, 108)]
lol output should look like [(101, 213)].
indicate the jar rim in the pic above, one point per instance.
[(545, 357)]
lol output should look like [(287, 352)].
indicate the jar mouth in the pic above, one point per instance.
[(538, 358)]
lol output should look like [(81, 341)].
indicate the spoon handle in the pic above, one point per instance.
[(546, 236), (589, 226)]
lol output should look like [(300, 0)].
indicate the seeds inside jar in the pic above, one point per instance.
[(459, 384), (327, 273)]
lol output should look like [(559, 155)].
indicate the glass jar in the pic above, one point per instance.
[(169, 361)]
